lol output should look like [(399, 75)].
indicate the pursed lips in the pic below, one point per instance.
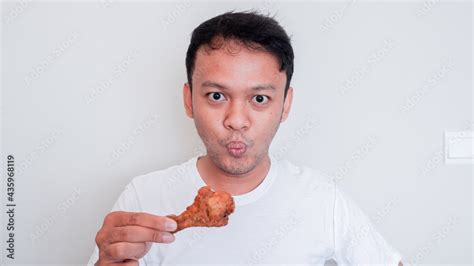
[(237, 148)]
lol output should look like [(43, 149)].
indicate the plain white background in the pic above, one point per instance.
[(91, 97)]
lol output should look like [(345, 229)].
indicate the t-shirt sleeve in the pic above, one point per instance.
[(127, 201), (356, 240)]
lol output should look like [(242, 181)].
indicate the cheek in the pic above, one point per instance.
[(273, 117), (266, 124), (207, 123)]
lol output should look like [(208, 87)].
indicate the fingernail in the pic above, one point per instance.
[(170, 225), (167, 238)]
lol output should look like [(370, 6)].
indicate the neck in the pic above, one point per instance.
[(219, 180)]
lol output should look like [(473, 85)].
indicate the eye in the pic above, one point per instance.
[(216, 96), (261, 99)]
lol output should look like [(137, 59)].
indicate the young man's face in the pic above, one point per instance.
[(237, 103)]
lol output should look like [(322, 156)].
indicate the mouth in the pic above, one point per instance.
[(236, 148)]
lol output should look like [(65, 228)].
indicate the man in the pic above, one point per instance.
[(239, 68)]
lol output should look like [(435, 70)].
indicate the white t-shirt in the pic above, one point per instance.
[(295, 216)]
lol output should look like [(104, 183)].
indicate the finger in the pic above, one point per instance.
[(125, 252), (136, 234), (121, 218)]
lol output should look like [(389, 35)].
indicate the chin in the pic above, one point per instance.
[(235, 166)]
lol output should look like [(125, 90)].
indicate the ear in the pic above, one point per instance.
[(287, 105), (188, 100)]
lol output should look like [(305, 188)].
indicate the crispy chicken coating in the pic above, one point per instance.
[(208, 209)]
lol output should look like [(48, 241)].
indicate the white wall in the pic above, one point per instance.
[(91, 97)]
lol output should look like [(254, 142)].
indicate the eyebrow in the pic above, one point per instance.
[(223, 87)]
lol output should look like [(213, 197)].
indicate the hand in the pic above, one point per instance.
[(125, 237)]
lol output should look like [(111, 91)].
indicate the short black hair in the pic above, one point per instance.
[(250, 28)]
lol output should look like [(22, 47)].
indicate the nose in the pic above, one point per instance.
[(237, 117)]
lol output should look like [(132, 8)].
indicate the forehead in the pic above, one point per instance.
[(234, 62)]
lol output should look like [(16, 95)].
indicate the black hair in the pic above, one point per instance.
[(249, 28)]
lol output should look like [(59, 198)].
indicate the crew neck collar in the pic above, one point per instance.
[(245, 198)]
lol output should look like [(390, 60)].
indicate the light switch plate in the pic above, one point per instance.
[(459, 147)]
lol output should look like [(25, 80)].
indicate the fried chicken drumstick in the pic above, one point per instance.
[(208, 209)]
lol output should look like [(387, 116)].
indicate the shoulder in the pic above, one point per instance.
[(156, 192), (307, 179), (164, 178)]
